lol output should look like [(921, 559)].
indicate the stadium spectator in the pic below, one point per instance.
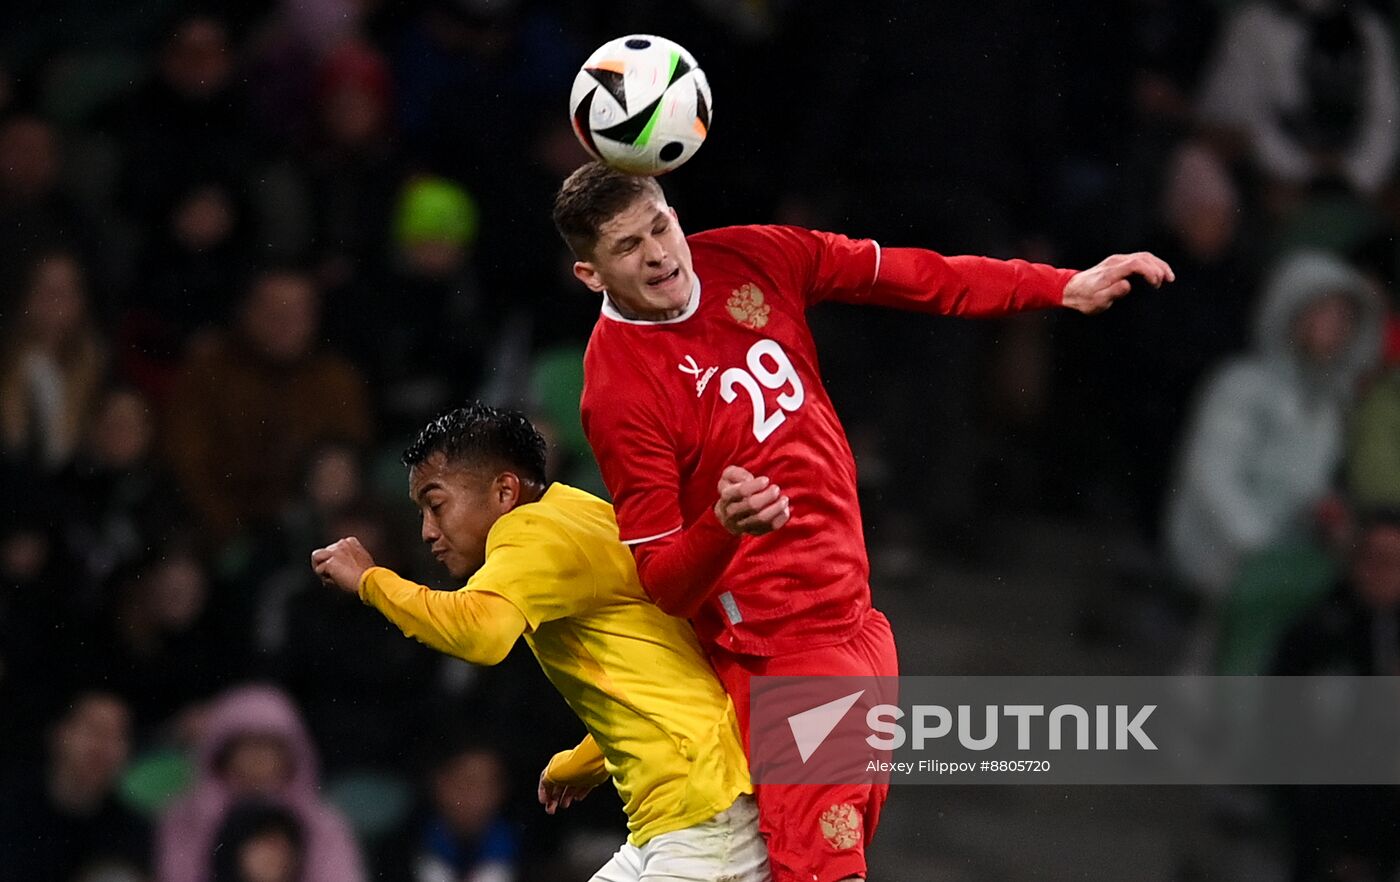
[(1373, 450), (39, 627), (35, 215), (1349, 832), (259, 842), (188, 281), (333, 481), (254, 746), (1267, 433), (1149, 375), (64, 821), (188, 122), (1310, 90), (1356, 630), (120, 504), (435, 225), (287, 50), (353, 170), (465, 837), (248, 407), (157, 644), (52, 363)]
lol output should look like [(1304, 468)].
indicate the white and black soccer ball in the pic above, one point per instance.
[(641, 104)]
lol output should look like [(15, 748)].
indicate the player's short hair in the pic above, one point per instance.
[(593, 195), (478, 435)]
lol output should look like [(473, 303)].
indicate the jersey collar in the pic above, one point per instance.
[(610, 311)]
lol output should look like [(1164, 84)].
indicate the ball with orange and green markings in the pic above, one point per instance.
[(641, 104)]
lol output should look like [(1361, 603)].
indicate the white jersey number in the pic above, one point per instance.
[(782, 376)]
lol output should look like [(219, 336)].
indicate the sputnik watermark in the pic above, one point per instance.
[(810, 728), (1127, 732), (1076, 730)]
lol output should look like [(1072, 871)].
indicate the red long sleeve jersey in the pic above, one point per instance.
[(734, 380)]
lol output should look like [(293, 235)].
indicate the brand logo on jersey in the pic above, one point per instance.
[(747, 308), (702, 377)]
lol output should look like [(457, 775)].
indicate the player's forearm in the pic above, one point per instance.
[(681, 571), (973, 287), (472, 625), (581, 767)]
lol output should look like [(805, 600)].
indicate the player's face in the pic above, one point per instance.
[(641, 261), (459, 506)]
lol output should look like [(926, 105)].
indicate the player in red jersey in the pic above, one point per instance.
[(730, 472)]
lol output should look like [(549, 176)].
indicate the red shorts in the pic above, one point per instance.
[(815, 832)]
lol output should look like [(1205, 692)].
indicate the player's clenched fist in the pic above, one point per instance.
[(749, 504), (342, 564)]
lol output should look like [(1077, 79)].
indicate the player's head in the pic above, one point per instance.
[(466, 469), (627, 240)]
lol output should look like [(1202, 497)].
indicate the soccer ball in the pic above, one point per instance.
[(641, 104)]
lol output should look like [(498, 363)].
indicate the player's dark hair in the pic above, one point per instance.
[(478, 435), (590, 197)]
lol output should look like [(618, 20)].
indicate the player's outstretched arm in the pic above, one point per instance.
[(1095, 289), (475, 626), (571, 775)]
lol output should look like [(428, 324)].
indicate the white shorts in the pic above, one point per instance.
[(726, 848)]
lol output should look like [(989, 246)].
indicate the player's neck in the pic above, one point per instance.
[(531, 492), (664, 315)]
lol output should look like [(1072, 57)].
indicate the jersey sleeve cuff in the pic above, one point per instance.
[(367, 585), (630, 542)]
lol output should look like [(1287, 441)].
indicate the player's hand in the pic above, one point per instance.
[(749, 504), (1094, 290), (554, 796), (341, 564)]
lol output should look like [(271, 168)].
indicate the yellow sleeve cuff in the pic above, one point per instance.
[(583, 766), (366, 583)]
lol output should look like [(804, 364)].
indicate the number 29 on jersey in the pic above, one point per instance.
[(767, 367)]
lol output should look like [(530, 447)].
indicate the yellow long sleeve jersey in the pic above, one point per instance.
[(637, 678)]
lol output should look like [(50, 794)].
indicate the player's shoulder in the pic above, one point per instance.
[(610, 352), (616, 379), (746, 234), (608, 365), (565, 525), (584, 518), (756, 248), (538, 527)]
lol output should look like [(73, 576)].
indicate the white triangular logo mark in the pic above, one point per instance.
[(810, 728)]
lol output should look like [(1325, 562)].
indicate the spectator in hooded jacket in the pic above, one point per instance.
[(1267, 433), (1309, 89), (255, 746)]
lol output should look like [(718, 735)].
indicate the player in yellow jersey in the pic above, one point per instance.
[(543, 560)]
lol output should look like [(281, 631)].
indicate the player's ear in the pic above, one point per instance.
[(507, 490), (587, 273)]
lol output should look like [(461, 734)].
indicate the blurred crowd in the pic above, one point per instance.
[(248, 248)]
